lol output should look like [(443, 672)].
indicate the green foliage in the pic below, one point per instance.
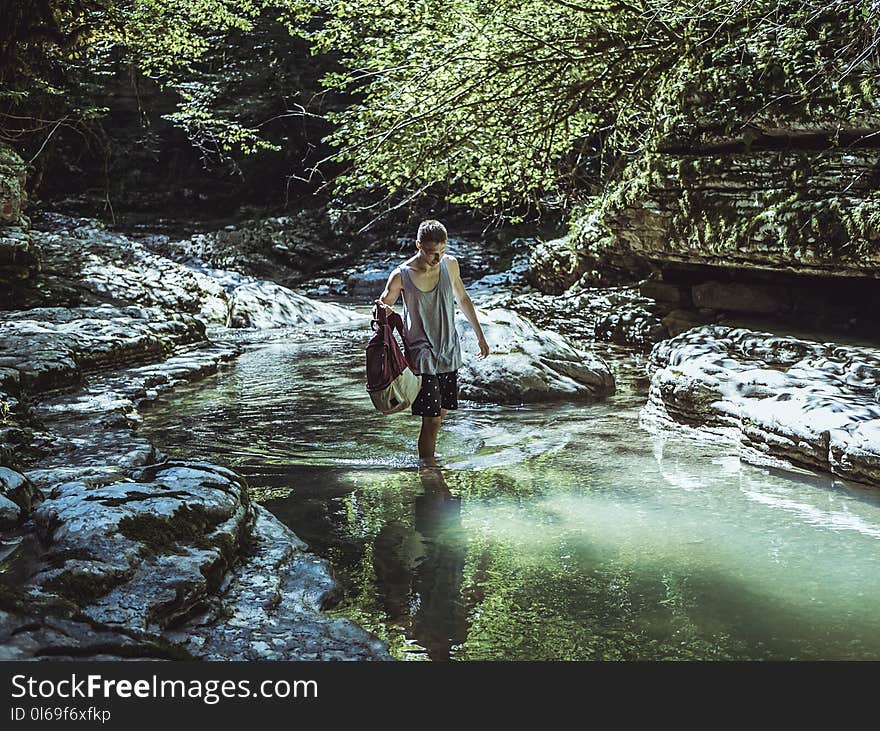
[(206, 129), (508, 102), (167, 36), (52, 47), (501, 105)]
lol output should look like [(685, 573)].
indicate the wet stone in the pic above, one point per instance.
[(10, 513), (165, 547), (19, 490), (800, 401), (268, 305), (527, 364)]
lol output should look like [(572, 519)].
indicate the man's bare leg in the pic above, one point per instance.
[(428, 438)]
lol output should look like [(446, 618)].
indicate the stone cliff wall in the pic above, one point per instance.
[(805, 211)]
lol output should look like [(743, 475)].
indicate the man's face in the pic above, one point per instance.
[(432, 251)]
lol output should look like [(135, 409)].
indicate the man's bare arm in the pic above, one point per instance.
[(466, 304), (393, 288)]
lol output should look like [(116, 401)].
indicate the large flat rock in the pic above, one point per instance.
[(527, 364), (813, 404), (51, 347)]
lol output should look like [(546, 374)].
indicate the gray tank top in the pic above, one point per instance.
[(429, 324)]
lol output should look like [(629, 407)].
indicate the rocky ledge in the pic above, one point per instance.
[(173, 562), (808, 403), (83, 264), (56, 349), (615, 314), (51, 347), (811, 211), (110, 551)]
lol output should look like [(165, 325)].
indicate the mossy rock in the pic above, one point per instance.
[(188, 526)]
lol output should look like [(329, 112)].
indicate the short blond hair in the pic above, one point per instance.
[(431, 232)]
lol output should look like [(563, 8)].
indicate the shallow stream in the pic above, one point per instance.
[(551, 532)]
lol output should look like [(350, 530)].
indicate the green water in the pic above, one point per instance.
[(552, 532)]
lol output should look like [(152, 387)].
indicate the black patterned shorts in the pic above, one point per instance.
[(439, 391)]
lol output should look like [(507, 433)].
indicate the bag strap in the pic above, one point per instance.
[(396, 322), (382, 317)]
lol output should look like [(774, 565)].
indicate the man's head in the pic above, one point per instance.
[(431, 241)]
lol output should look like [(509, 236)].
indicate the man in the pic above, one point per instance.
[(431, 284)]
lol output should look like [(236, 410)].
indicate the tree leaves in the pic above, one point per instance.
[(507, 104)]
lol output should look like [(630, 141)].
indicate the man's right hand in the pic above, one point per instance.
[(380, 308)]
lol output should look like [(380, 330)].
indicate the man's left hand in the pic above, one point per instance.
[(484, 347)]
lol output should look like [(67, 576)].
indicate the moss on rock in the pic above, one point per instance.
[(82, 587), (188, 526), (811, 211)]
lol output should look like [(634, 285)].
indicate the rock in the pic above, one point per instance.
[(52, 347), (90, 432), (740, 297), (60, 633), (19, 490), (285, 249), (267, 305), (323, 286), (173, 561), (809, 403), (10, 513), (527, 364), (142, 553), (84, 264), (368, 281), (678, 321), (615, 314), (554, 265), (632, 325), (271, 608), (226, 278), (807, 211), (665, 292), (750, 170)]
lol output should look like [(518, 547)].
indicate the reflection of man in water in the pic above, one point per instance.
[(419, 572)]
